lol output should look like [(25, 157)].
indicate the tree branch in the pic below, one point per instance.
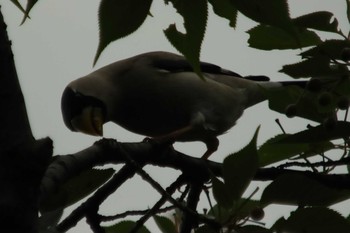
[(106, 151), (135, 156)]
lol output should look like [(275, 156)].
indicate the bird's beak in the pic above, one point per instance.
[(90, 121)]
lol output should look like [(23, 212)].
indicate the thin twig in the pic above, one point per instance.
[(132, 213), (170, 190), (190, 221), (164, 193), (346, 114), (97, 198), (330, 163), (280, 125)]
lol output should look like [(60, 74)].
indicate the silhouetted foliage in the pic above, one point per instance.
[(297, 180)]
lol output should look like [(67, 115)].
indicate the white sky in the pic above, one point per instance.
[(59, 43)]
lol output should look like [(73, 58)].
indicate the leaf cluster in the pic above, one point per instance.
[(275, 29)]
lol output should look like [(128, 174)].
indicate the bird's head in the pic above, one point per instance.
[(83, 113)]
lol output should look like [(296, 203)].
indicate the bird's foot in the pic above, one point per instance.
[(212, 146)]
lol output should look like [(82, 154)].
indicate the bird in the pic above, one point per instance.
[(158, 95)]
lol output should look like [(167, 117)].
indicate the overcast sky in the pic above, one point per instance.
[(58, 45)]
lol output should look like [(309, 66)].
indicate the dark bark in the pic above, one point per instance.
[(23, 160)]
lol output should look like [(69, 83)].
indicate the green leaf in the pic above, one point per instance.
[(124, 227), (348, 9), (321, 20), (305, 102), (225, 9), (329, 49), (220, 214), (76, 188), (261, 11), (239, 168), (164, 224), (18, 5), (270, 12), (266, 37), (342, 87), (273, 150), (280, 98), (241, 210), (295, 189), (221, 194), (30, 5), (315, 67), (314, 220), (244, 207), (320, 134), (189, 43), (307, 68), (119, 18)]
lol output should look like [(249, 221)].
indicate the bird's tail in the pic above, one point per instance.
[(258, 93), (301, 84)]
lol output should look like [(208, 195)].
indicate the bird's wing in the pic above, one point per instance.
[(175, 63), (182, 65)]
